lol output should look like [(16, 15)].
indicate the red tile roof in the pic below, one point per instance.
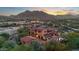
[(27, 39)]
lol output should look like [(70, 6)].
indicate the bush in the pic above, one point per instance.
[(5, 35), (22, 48), (8, 45), (2, 40), (55, 46), (50, 46), (36, 46)]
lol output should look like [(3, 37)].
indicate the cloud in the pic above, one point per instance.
[(61, 12)]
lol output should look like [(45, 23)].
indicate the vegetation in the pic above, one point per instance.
[(36, 46), (73, 40), (8, 45), (2, 40), (67, 25), (5, 35), (22, 48), (23, 32)]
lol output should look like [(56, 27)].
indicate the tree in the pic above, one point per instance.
[(50, 46), (5, 35), (36, 46), (73, 40), (23, 32), (50, 24), (60, 47), (2, 40), (55, 46), (8, 45)]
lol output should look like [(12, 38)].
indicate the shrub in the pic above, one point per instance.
[(36, 46), (22, 48), (2, 40), (5, 35), (72, 40), (8, 45), (55, 46)]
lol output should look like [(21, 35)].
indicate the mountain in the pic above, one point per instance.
[(39, 15)]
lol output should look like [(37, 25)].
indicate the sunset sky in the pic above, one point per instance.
[(49, 10)]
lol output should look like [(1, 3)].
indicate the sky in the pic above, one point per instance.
[(50, 10)]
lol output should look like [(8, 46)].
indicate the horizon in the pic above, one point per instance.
[(7, 11)]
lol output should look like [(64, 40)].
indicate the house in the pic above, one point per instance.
[(27, 39), (38, 32), (42, 35)]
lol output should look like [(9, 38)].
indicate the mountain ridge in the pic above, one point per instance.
[(37, 15)]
